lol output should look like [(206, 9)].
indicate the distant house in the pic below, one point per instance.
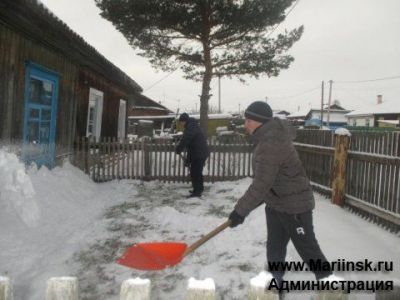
[(54, 87), (380, 114), (144, 108), (215, 121), (282, 114), (335, 116)]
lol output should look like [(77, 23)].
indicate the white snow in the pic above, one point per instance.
[(342, 131), (60, 223), (386, 107), (138, 281), (261, 280), (206, 284)]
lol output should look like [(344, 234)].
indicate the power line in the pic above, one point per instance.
[(299, 94), (158, 81), (370, 80), (294, 5)]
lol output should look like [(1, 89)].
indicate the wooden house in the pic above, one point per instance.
[(55, 87)]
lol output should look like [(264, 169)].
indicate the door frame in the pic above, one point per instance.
[(34, 70)]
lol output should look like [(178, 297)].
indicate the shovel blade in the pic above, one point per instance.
[(153, 256)]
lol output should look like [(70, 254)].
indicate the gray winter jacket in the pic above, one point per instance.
[(279, 177)]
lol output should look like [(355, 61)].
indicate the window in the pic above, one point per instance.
[(95, 112)]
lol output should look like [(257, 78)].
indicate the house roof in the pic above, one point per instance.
[(141, 101), (387, 107), (38, 23), (305, 112)]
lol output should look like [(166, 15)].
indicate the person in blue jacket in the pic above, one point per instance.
[(195, 143)]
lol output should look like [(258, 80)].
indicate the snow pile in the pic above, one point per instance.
[(17, 193), (342, 131), (45, 217)]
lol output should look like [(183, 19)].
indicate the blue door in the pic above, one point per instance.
[(41, 95)]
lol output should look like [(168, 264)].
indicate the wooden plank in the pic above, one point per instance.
[(165, 160), (214, 160), (171, 160), (393, 218), (104, 158), (139, 160)]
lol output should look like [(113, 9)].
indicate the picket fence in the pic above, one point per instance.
[(155, 159), (372, 168), (67, 288), (372, 174)]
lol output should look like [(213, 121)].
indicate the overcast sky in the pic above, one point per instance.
[(344, 40)]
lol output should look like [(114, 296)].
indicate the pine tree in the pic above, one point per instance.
[(206, 38)]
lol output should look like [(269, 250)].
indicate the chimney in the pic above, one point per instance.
[(379, 99)]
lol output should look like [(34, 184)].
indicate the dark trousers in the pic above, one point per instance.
[(299, 228), (196, 175)]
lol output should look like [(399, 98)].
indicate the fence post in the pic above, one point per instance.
[(339, 165), (147, 161), (62, 288), (85, 149), (135, 289), (258, 287), (6, 292), (200, 289)]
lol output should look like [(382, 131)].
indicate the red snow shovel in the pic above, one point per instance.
[(158, 256)]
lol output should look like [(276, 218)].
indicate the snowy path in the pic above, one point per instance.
[(72, 226)]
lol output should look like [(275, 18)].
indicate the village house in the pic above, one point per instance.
[(55, 87), (380, 114), (333, 117)]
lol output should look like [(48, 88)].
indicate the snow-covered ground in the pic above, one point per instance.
[(60, 223)]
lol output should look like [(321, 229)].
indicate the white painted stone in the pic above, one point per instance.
[(200, 289), (62, 288), (135, 289), (6, 292)]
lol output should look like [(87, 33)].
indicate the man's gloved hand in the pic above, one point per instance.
[(235, 218)]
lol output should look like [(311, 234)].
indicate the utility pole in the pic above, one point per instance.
[(322, 104), (219, 93), (329, 102)]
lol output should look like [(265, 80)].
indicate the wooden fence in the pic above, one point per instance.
[(372, 170), (152, 159), (372, 186)]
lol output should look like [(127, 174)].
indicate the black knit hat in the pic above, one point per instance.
[(184, 117), (258, 111)]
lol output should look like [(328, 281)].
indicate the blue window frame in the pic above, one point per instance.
[(40, 115)]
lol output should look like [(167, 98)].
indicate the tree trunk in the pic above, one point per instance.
[(208, 72), (205, 96)]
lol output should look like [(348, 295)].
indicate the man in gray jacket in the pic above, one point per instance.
[(281, 183)]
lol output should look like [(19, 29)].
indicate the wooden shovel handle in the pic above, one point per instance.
[(205, 238)]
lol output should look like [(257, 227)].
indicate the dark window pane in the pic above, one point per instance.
[(40, 91), (34, 113), (33, 132), (46, 114)]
